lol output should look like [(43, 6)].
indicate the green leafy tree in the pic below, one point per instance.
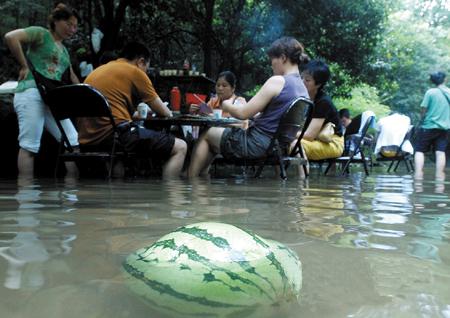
[(341, 31), (410, 50)]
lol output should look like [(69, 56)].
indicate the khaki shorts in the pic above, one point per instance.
[(319, 150)]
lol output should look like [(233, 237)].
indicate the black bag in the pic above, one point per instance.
[(45, 84)]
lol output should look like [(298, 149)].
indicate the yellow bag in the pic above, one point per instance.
[(390, 151), (326, 133)]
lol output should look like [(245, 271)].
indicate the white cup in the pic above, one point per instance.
[(142, 110), (217, 113)]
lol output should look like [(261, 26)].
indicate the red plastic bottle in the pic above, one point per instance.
[(175, 98)]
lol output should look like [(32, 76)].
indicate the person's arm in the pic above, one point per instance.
[(160, 108), (14, 40), (271, 88), (424, 105), (423, 111), (313, 129), (73, 77)]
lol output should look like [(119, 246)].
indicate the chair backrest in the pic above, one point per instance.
[(365, 128), (293, 120), (75, 101), (408, 137), (78, 100)]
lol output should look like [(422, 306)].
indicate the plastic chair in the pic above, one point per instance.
[(77, 101), (279, 153)]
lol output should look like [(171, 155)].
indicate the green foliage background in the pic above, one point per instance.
[(380, 51)]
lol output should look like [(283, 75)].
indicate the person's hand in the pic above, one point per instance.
[(23, 73), (135, 116), (194, 109)]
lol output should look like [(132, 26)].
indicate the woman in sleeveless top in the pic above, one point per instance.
[(271, 101)]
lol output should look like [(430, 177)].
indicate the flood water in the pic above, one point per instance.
[(370, 247)]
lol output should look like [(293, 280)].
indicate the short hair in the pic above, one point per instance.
[(106, 57), (344, 112), (437, 78), (135, 50), (61, 12), (291, 48), (319, 70), (229, 77)]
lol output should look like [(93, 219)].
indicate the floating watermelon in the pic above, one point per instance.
[(214, 270)]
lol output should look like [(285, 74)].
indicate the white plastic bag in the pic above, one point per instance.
[(96, 38)]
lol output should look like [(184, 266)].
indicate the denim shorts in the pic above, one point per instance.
[(238, 143), (438, 138), (33, 115)]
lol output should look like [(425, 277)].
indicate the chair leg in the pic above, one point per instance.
[(58, 158), (259, 171), (328, 168), (346, 167), (396, 165), (282, 170), (305, 170), (406, 165), (366, 170), (110, 168), (412, 164), (390, 166)]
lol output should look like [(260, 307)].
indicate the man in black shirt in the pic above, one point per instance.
[(351, 125)]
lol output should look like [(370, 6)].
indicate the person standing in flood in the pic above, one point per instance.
[(45, 50), (433, 131)]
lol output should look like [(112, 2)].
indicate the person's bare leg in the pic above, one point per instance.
[(25, 164), (209, 160), (72, 170), (172, 168), (440, 165), (203, 154), (419, 159)]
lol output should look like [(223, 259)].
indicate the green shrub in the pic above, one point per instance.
[(362, 97)]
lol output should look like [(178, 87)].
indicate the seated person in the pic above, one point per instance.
[(225, 87), (350, 125), (272, 100), (353, 127), (124, 82), (315, 76)]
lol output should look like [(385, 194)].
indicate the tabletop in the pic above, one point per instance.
[(192, 120)]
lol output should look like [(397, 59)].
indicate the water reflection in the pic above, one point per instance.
[(28, 239), (368, 245)]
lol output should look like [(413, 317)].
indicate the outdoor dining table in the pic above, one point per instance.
[(190, 120)]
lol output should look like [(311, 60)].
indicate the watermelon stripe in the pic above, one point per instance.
[(289, 251), (166, 289), (223, 243), (165, 309), (209, 277), (271, 257), (193, 255)]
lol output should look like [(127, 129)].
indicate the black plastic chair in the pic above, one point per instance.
[(400, 156), (279, 153), (357, 155), (77, 101)]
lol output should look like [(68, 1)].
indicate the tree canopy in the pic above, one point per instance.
[(381, 47)]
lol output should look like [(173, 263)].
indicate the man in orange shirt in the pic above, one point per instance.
[(124, 83)]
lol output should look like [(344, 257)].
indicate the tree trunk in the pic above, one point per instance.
[(208, 36)]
